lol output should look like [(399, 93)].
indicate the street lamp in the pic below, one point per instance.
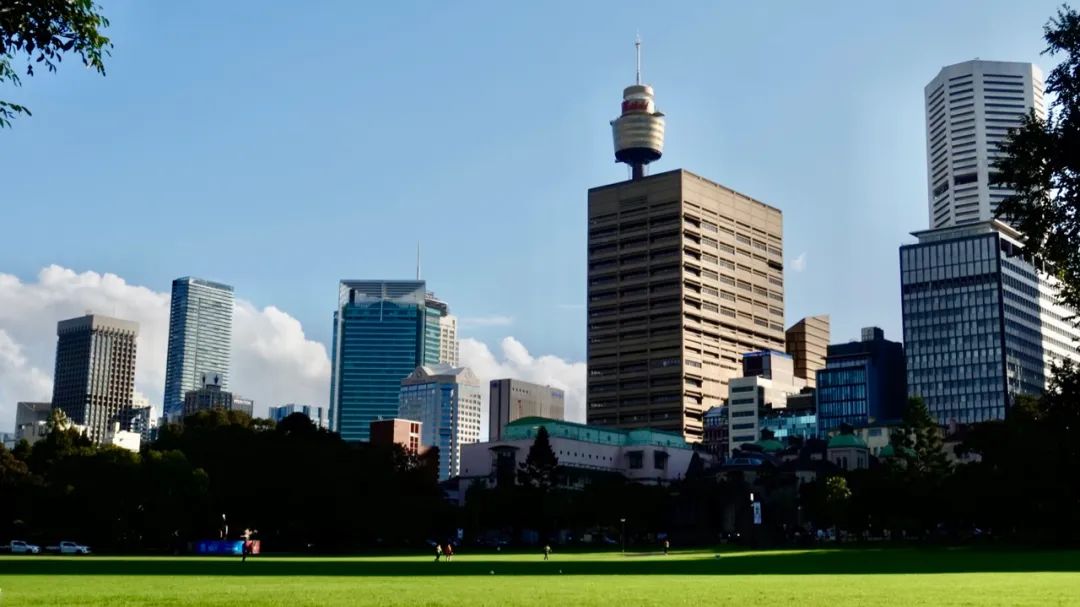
[(623, 521)]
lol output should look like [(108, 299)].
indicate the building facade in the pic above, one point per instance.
[(807, 341), (513, 399), (94, 379), (863, 382), (211, 395), (980, 322), (970, 108), (200, 338), (584, 452), (317, 415), (684, 276), (768, 379), (383, 331), (31, 421), (716, 438), (447, 402), (404, 432)]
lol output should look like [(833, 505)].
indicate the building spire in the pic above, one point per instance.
[(417, 260), (637, 53)]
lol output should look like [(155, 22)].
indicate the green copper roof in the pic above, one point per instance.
[(526, 427), (841, 441), (890, 451), (768, 445)]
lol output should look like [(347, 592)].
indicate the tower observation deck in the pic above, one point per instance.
[(638, 132)]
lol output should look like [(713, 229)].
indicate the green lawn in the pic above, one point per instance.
[(805, 578)]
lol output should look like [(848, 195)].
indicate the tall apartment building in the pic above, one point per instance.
[(94, 379), (200, 338), (383, 331), (864, 382), (981, 324), (807, 341), (970, 108), (512, 399), (447, 403), (446, 323), (685, 276)]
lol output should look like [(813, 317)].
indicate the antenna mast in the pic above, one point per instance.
[(637, 52), (417, 260)]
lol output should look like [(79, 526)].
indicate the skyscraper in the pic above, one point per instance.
[(383, 331), (200, 338), (447, 403), (94, 380), (684, 277), (513, 399), (807, 342), (981, 324), (970, 107)]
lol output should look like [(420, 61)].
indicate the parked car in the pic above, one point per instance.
[(21, 547), (66, 547)]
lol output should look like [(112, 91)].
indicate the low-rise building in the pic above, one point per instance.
[(768, 379), (404, 432), (848, 452), (645, 456), (717, 431)]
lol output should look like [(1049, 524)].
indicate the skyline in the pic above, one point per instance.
[(841, 251)]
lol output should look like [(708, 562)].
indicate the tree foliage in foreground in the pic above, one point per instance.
[(44, 31)]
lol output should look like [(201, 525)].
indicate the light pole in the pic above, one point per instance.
[(623, 521)]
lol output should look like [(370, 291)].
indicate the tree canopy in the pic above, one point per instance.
[(44, 31)]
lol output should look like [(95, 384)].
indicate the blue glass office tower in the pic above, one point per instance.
[(200, 338), (383, 331), (446, 402), (980, 323), (863, 382)]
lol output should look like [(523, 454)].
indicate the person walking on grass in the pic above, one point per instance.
[(547, 551), (449, 551), (438, 552), (667, 546)]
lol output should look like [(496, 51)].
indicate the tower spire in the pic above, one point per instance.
[(417, 260), (637, 53)]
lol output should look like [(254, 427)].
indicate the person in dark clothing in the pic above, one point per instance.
[(438, 552)]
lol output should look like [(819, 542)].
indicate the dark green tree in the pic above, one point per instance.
[(44, 31), (1042, 165), (920, 441), (540, 466)]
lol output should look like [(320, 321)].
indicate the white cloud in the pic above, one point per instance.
[(516, 362), (273, 361), (495, 320), (799, 263)]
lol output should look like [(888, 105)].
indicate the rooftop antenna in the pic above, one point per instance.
[(417, 260), (637, 52)]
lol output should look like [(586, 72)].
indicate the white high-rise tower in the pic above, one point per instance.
[(970, 108)]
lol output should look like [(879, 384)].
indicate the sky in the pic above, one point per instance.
[(281, 147)]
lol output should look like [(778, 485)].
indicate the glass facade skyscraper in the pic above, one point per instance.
[(200, 338), (863, 382), (980, 323), (383, 331), (447, 403)]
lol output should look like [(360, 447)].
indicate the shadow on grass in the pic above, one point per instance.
[(836, 562)]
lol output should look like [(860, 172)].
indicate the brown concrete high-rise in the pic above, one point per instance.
[(684, 277), (808, 343)]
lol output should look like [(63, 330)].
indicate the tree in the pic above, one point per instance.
[(837, 497), (1042, 165), (44, 30), (921, 442), (538, 470)]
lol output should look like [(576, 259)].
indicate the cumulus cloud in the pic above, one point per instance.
[(514, 360), (799, 263), (273, 361), (495, 320)]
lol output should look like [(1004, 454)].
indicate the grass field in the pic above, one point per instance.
[(806, 578)]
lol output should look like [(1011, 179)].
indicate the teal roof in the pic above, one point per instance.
[(526, 428), (842, 441), (768, 445), (890, 451)]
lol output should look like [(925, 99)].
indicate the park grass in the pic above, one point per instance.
[(808, 578)]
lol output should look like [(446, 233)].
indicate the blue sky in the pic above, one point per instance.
[(280, 147)]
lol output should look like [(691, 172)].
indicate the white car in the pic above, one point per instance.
[(70, 548), (21, 547)]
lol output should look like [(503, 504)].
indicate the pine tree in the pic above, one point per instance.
[(922, 435), (538, 470)]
